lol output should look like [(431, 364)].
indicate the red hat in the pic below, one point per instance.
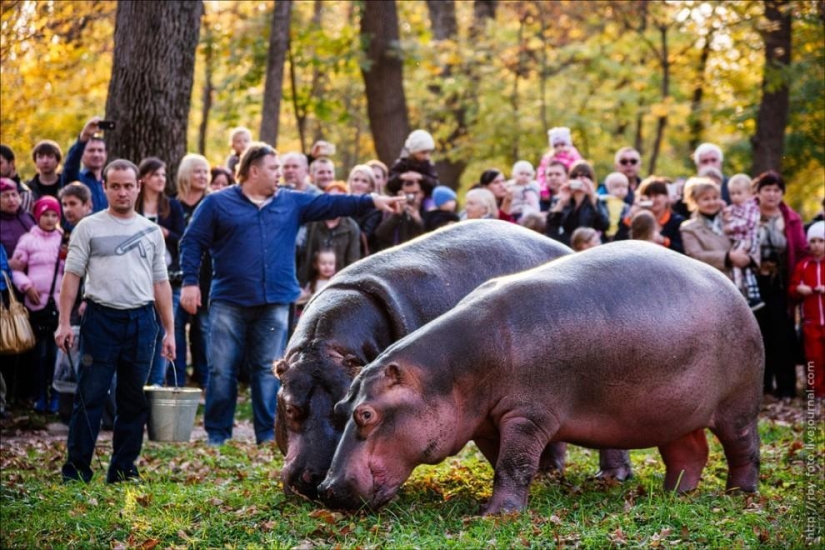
[(46, 203)]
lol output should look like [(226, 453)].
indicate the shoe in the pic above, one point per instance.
[(54, 403), (756, 304), (40, 405), (119, 476)]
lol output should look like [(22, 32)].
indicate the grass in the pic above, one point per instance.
[(194, 496)]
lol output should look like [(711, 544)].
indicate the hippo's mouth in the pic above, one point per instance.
[(383, 488)]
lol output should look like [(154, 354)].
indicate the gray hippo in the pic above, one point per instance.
[(627, 345), (368, 306)]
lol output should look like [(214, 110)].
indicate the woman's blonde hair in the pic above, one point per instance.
[(366, 171), (185, 170), (695, 188)]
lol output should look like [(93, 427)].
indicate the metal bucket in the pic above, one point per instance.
[(171, 412)]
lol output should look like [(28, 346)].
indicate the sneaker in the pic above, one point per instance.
[(54, 403), (756, 304)]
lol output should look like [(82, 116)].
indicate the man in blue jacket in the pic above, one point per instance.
[(91, 149), (249, 230)]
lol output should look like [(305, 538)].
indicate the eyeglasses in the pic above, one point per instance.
[(631, 162)]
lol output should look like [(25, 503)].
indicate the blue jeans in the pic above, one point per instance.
[(161, 372), (201, 318), (112, 342), (258, 335)]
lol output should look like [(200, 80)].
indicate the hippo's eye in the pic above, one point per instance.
[(364, 416)]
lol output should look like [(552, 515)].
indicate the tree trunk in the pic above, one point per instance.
[(276, 58), (384, 79), (208, 89), (151, 85), (696, 125), (768, 143), (442, 19), (661, 121)]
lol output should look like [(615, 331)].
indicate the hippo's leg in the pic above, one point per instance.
[(614, 464), (554, 457), (742, 453), (522, 443), (685, 458)]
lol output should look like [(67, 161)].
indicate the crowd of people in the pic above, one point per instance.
[(218, 269)]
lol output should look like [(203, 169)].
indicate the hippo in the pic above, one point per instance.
[(368, 306), (626, 345)]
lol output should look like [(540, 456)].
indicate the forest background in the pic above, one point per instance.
[(488, 78)]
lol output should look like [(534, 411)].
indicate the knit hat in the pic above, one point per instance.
[(816, 231), (46, 203), (443, 194), (7, 184), (559, 135), (337, 185), (419, 140)]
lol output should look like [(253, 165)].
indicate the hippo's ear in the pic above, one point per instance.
[(394, 374), (280, 367)]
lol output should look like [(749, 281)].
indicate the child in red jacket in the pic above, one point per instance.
[(808, 285)]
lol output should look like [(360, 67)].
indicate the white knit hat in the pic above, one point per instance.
[(816, 231), (419, 140), (559, 135)]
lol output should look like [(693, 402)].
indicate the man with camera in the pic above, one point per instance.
[(91, 150), (577, 206), (407, 221)]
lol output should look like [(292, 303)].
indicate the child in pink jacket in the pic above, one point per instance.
[(40, 252)]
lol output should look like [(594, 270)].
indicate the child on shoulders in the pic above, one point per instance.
[(561, 150), (414, 165)]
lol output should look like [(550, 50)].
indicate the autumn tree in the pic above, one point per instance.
[(151, 84), (384, 79), (768, 143), (278, 46)]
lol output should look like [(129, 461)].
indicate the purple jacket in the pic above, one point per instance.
[(13, 227), (38, 249)]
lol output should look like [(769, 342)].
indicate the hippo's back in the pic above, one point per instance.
[(417, 281)]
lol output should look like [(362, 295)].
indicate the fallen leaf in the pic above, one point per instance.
[(326, 516), (148, 544)]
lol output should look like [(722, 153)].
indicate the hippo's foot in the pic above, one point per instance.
[(685, 458), (507, 505), (614, 465), (742, 453)]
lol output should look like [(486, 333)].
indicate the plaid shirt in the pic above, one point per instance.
[(743, 222)]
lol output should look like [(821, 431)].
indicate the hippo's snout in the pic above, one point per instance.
[(303, 482), (338, 495)]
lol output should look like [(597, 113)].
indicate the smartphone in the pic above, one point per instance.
[(106, 124)]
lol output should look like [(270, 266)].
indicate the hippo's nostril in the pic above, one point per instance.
[(306, 477)]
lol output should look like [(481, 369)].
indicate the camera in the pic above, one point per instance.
[(106, 124), (410, 197), (576, 184), (646, 204), (175, 277)]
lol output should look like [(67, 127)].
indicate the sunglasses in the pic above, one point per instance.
[(712, 160), (632, 162)]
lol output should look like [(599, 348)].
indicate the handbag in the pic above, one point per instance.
[(16, 334), (44, 321)]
